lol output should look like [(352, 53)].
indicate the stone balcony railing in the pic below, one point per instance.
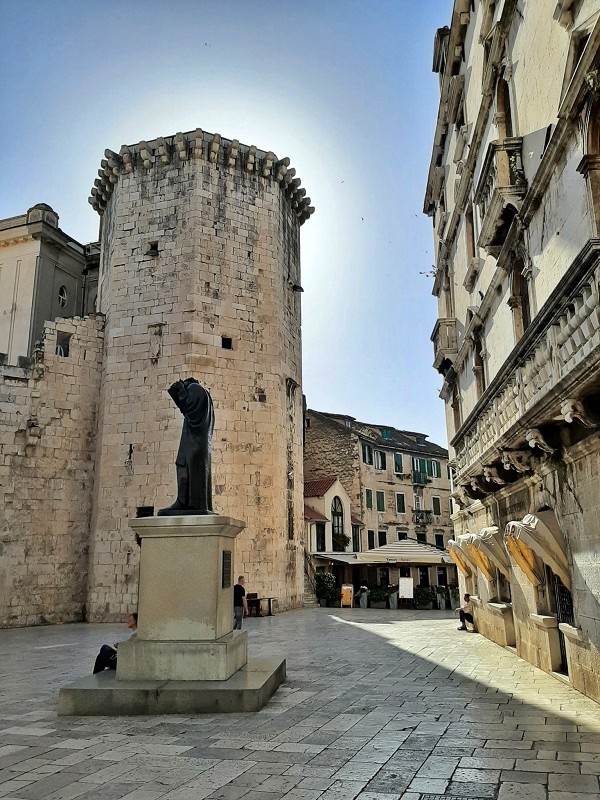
[(500, 189), (421, 517), (445, 344), (546, 376)]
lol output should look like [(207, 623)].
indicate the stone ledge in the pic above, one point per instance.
[(572, 633), (501, 609), (247, 690), (544, 621)]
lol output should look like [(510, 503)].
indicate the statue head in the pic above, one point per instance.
[(188, 381)]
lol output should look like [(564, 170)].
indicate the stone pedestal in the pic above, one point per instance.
[(186, 657), (185, 606)]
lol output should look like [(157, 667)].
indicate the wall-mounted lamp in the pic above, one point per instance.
[(296, 288)]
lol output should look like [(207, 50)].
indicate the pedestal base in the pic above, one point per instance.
[(144, 660), (102, 695)]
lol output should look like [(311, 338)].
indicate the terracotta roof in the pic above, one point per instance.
[(318, 487), (312, 515)]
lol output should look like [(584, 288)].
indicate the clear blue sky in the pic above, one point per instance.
[(342, 87)]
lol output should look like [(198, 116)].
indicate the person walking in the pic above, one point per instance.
[(240, 604), (465, 613)]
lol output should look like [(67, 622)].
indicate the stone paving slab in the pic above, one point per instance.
[(377, 705)]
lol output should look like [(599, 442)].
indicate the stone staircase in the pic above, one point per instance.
[(310, 600)]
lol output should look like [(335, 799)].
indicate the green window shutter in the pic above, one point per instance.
[(398, 463), (371, 539), (369, 497), (380, 501), (400, 504), (436, 506)]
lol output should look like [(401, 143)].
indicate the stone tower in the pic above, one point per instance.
[(199, 276)]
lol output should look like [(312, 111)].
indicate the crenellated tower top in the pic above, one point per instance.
[(198, 144)]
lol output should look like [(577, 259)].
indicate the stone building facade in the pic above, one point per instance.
[(514, 196), (397, 482), (197, 274)]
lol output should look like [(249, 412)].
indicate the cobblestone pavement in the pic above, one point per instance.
[(378, 705)]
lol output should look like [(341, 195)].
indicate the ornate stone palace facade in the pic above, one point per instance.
[(197, 274), (514, 194)]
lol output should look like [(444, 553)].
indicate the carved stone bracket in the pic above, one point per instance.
[(519, 460), (571, 409), (491, 475), (535, 439)]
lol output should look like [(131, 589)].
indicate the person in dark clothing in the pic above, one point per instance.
[(240, 604), (107, 657)]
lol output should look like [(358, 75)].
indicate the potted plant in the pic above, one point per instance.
[(393, 596), (454, 596), (325, 588), (378, 597), (424, 597), (362, 595)]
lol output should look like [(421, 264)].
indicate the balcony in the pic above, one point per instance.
[(421, 517), (500, 190), (548, 381), (419, 478), (445, 344)]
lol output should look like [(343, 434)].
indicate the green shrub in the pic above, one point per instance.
[(325, 586)]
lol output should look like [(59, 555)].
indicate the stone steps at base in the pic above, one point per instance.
[(310, 600)]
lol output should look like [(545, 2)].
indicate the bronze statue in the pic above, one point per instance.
[(194, 487)]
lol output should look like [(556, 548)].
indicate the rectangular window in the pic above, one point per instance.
[(401, 534), (369, 498), (380, 501), (418, 503), (422, 537), (398, 463), (379, 459), (400, 503), (382, 538), (320, 537), (371, 539), (367, 454), (405, 572), (356, 538), (437, 506), (439, 541), (419, 464)]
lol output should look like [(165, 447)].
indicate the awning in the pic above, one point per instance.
[(545, 540), (490, 541), (470, 543), (460, 558), (406, 551)]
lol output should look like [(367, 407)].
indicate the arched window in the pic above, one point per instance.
[(339, 541)]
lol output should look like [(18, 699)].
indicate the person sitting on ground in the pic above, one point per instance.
[(107, 657), (466, 613)]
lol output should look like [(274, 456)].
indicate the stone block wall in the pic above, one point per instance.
[(330, 450), (200, 257), (47, 428)]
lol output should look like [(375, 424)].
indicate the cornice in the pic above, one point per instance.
[(209, 147)]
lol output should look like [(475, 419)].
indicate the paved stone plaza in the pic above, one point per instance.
[(378, 705)]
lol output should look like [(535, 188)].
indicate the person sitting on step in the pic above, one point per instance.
[(466, 613)]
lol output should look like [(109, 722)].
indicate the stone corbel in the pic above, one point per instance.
[(213, 148), (519, 460), (146, 155), (268, 164), (535, 439), (196, 143), (114, 161), (181, 146), (251, 159), (232, 152), (127, 158), (282, 168), (163, 151), (573, 409), (491, 475), (288, 176)]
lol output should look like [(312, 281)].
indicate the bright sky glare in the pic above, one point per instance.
[(342, 87)]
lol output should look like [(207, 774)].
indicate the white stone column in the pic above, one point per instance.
[(185, 607)]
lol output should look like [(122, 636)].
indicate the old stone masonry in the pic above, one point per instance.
[(197, 275)]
